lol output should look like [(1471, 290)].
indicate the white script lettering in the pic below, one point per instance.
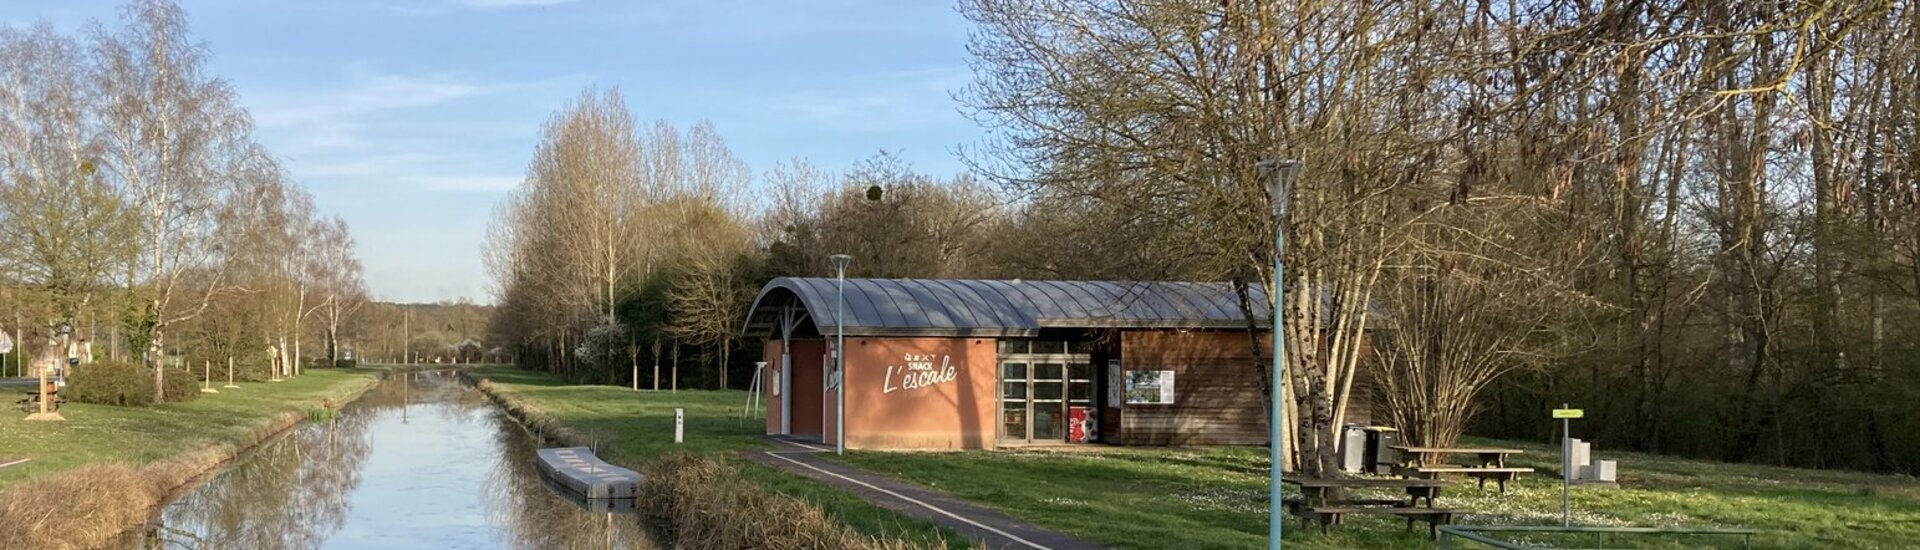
[(919, 372)]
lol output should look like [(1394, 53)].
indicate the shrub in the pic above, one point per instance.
[(346, 363), (182, 385), (124, 383)]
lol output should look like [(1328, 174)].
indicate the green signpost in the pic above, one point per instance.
[(1566, 415)]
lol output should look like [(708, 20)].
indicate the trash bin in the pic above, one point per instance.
[(1353, 448), (1380, 457)]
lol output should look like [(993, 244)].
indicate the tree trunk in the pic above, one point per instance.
[(156, 358)]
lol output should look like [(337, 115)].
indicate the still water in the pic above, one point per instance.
[(419, 461)]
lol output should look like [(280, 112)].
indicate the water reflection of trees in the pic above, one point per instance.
[(289, 493), (530, 515), (294, 492)]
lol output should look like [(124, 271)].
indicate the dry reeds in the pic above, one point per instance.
[(82, 508), (91, 506), (701, 503)]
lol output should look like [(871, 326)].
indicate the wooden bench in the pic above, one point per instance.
[(1318, 490), (1294, 505), (1499, 475), (1332, 515)]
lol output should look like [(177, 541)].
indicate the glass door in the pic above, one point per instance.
[(1039, 394), (1082, 419), (1049, 402), (1014, 385)]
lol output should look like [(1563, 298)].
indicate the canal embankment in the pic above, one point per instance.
[(699, 492), (106, 468)]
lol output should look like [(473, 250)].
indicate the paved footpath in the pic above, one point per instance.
[(988, 527)]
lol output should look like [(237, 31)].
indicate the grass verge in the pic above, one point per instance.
[(1217, 498), (105, 468), (635, 429)]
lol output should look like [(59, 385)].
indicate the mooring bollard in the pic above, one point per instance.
[(679, 425)]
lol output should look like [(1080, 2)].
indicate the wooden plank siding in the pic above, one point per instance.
[(1217, 394)]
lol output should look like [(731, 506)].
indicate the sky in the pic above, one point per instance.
[(411, 119)]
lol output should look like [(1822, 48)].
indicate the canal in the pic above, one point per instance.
[(421, 460)]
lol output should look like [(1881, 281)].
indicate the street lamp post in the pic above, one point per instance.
[(1279, 189), (840, 262)]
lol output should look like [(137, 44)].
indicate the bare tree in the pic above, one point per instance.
[(174, 137), (63, 220)]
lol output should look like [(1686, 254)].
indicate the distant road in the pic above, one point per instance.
[(23, 383)]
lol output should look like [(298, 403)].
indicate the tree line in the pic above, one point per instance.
[(139, 217), (1694, 219)]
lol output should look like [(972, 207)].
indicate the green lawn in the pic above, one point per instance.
[(1217, 498), (635, 428), (96, 434)]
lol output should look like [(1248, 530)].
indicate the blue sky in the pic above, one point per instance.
[(412, 118)]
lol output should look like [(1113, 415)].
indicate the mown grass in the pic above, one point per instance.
[(97, 434), (635, 429), (1217, 498)]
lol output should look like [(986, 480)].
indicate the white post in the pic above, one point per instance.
[(839, 381), (679, 425), (1566, 469), (753, 390), (784, 392)]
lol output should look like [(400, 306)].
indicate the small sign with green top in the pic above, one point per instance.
[(1565, 414)]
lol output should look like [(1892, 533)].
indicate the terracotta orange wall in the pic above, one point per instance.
[(808, 356), (948, 415)]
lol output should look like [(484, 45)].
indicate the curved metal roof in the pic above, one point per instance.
[(1016, 308)]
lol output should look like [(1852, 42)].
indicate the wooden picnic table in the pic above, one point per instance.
[(1426, 462), (30, 401), (1490, 457), (1319, 490)]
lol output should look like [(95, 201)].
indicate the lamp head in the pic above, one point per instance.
[(840, 261), (1281, 173)]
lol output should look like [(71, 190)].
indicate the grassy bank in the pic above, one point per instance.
[(105, 468), (635, 429), (1217, 498)]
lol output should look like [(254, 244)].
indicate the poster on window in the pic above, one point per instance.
[(1149, 387)]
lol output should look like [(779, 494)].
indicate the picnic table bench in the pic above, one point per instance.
[(1321, 501), (1332, 515), (1318, 491), (1430, 462)]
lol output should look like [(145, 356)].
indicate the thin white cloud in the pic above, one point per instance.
[(496, 4), (333, 121), (437, 7), (394, 131), (490, 184), (880, 103)]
